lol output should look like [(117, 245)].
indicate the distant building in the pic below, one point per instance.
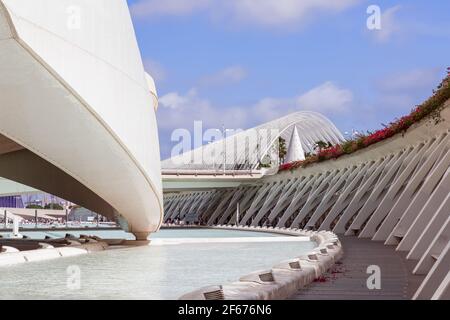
[(11, 202)]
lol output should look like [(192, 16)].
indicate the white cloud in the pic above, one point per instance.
[(155, 69), (180, 111), (411, 81), (283, 12), (150, 8), (397, 23), (230, 75), (326, 98), (269, 13), (175, 101), (389, 25), (400, 92), (268, 109)]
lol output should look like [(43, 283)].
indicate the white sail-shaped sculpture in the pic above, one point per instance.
[(295, 150)]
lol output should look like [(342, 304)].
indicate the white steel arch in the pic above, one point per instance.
[(244, 150)]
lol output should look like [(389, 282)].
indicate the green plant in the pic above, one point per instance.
[(320, 145), (265, 162), (53, 206), (282, 150), (348, 147), (34, 206)]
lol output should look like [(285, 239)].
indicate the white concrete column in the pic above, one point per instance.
[(423, 243), (419, 200), (379, 191), (410, 190), (355, 179), (313, 198), (437, 278), (331, 196), (426, 215), (395, 190), (358, 200)]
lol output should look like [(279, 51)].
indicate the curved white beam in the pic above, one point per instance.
[(73, 91), (250, 146)]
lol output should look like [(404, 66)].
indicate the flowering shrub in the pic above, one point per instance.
[(429, 109)]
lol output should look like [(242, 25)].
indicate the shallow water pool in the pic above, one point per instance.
[(150, 272)]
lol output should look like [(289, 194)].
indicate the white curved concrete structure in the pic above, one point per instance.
[(395, 191), (77, 110)]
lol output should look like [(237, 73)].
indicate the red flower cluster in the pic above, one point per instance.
[(331, 153), (378, 136), (429, 108)]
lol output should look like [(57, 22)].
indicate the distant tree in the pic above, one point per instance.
[(53, 206), (34, 206), (282, 149), (265, 162), (320, 145)]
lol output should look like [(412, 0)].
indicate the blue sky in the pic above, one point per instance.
[(244, 62)]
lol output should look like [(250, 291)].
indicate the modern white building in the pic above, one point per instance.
[(77, 110)]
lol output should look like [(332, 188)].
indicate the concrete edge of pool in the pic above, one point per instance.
[(11, 256), (18, 251), (283, 279), (279, 282)]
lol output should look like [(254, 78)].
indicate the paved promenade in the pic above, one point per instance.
[(347, 280)]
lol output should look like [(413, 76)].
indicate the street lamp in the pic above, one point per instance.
[(213, 156), (224, 134)]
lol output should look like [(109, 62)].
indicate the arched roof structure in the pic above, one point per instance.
[(246, 149)]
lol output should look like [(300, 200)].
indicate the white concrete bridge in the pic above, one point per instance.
[(77, 110)]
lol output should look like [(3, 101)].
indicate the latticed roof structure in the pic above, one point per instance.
[(248, 149)]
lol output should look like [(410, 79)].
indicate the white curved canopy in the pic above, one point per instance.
[(247, 149)]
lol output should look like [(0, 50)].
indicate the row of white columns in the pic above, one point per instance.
[(401, 199)]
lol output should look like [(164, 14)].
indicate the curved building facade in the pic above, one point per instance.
[(78, 110)]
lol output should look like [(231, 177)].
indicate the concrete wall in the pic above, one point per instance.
[(396, 191)]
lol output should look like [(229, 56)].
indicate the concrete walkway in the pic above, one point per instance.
[(347, 280)]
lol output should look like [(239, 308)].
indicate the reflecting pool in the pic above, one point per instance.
[(150, 272)]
